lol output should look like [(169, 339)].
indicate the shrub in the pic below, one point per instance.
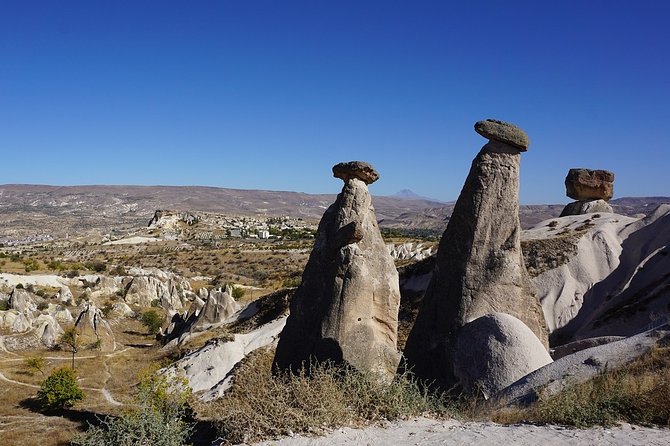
[(159, 418), (60, 390), (35, 364), (238, 293), (96, 266), (262, 406), (42, 306), (152, 320)]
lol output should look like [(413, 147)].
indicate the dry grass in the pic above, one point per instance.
[(638, 393), (262, 406), (21, 423)]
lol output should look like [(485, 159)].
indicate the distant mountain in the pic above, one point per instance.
[(406, 194), (59, 210)]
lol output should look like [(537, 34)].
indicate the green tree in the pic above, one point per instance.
[(70, 339), (152, 320), (35, 364), (60, 390)]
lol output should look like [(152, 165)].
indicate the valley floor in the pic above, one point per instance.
[(428, 432)]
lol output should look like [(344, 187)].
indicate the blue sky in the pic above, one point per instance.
[(270, 94)]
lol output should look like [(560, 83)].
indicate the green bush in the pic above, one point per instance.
[(60, 390), (159, 418), (152, 320), (238, 293)]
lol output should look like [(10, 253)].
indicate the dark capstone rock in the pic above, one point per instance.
[(503, 132), (356, 169)]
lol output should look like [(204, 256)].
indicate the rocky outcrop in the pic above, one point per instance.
[(346, 307), (409, 251), (21, 301), (568, 256), (94, 329), (494, 351), (591, 188), (586, 207), (479, 268), (634, 295), (146, 286), (582, 366), (65, 295), (48, 330), (60, 313), (218, 307)]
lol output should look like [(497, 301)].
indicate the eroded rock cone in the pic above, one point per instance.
[(346, 308), (479, 268)]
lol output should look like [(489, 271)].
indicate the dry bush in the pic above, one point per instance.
[(638, 393), (261, 406)]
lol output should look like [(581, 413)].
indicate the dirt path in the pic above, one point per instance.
[(426, 432)]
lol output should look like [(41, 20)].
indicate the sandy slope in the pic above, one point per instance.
[(422, 431)]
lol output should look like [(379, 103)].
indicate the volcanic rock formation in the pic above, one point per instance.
[(591, 188), (346, 308), (479, 268), (494, 351)]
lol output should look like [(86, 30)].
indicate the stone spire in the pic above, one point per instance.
[(346, 308), (479, 268)]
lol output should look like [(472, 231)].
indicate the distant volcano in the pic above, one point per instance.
[(406, 194)]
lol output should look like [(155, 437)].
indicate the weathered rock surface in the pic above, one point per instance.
[(568, 256), (583, 365), (21, 301), (635, 294), (586, 207), (65, 295), (479, 268), (92, 327), (409, 251), (355, 169), (504, 132), (218, 307), (210, 368), (494, 351), (346, 307), (60, 313), (587, 184), (149, 285), (48, 330), (583, 344)]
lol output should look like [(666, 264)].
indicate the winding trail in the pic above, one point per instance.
[(104, 391)]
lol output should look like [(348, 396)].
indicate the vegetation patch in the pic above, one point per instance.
[(260, 405), (637, 393)]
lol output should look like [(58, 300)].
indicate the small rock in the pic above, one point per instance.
[(503, 132)]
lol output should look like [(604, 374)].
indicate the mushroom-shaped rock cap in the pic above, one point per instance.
[(503, 132), (356, 169)]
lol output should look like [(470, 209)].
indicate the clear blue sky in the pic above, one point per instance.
[(270, 94)]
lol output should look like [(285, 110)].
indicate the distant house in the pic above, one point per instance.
[(236, 232), (264, 234)]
